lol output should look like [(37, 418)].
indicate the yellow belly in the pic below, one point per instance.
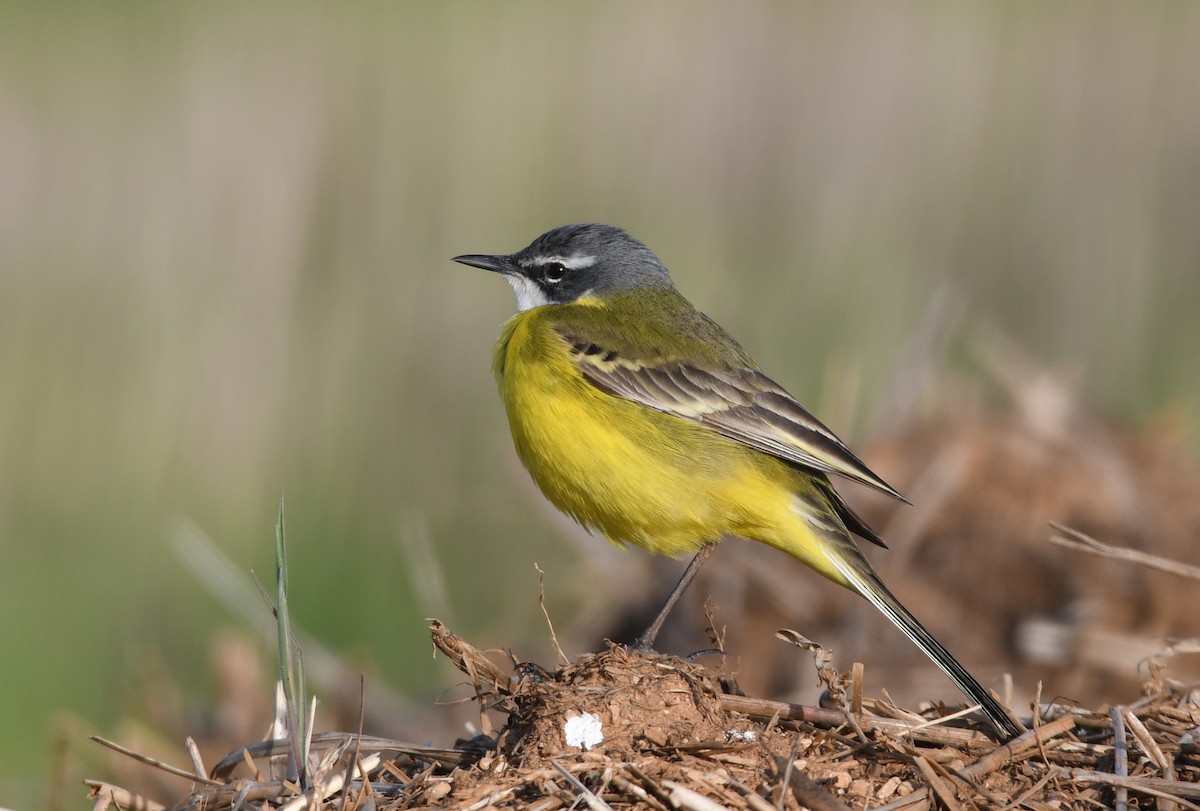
[(639, 476)]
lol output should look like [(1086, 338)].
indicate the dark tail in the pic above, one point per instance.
[(868, 584)]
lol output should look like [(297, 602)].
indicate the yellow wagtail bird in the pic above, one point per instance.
[(640, 417)]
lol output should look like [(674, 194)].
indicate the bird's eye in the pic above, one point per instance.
[(553, 272)]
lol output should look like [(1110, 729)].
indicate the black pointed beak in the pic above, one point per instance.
[(498, 264)]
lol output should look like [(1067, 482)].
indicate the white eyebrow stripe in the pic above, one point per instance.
[(575, 262)]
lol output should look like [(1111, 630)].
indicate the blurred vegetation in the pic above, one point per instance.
[(224, 242)]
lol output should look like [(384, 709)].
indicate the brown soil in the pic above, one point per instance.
[(674, 738)]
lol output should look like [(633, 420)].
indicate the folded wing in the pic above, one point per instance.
[(742, 404)]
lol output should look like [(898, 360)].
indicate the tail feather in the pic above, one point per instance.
[(868, 584)]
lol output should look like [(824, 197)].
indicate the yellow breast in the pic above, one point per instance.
[(637, 475)]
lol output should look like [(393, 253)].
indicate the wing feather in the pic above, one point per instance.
[(742, 404)]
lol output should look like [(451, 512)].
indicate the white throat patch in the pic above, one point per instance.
[(529, 295)]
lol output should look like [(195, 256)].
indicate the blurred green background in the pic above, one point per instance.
[(224, 241)]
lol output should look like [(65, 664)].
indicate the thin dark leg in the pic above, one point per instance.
[(645, 642)]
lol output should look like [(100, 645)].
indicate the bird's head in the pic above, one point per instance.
[(574, 261)]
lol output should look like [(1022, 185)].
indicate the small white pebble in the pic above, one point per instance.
[(888, 789), (438, 790), (583, 731)]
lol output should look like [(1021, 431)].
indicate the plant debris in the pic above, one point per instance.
[(672, 736)]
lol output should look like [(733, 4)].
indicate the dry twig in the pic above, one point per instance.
[(1074, 539)]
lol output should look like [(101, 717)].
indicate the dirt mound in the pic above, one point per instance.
[(621, 729), (622, 701)]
